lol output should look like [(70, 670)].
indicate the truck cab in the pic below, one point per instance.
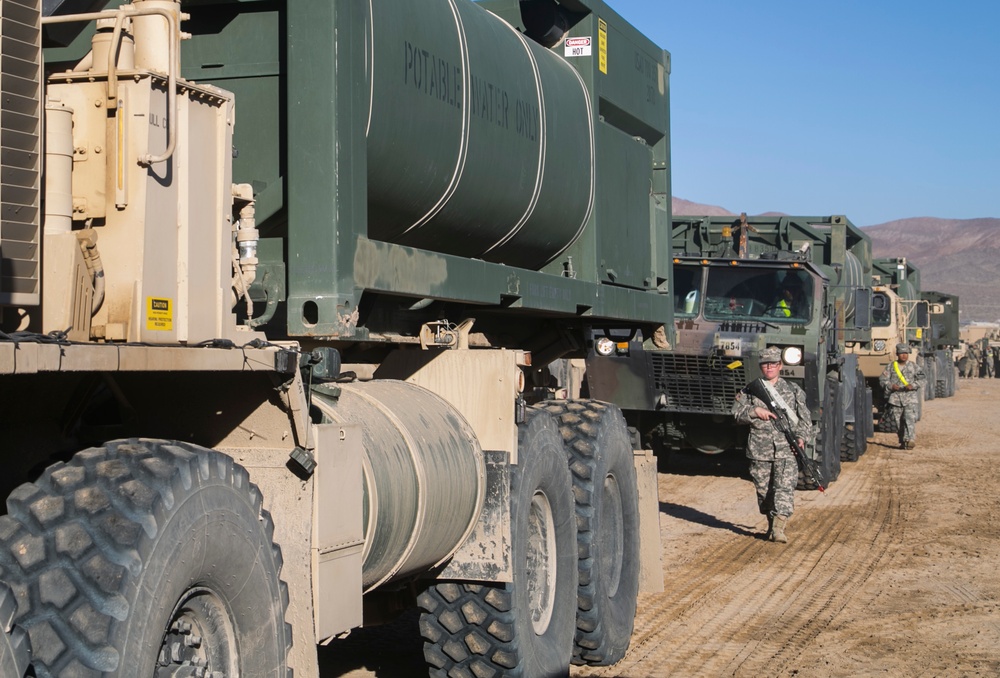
[(741, 285)]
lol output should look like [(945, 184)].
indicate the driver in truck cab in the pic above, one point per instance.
[(790, 301)]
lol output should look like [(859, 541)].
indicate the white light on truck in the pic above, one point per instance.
[(604, 346), (792, 355)]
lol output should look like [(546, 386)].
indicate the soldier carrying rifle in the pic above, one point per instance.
[(773, 464)]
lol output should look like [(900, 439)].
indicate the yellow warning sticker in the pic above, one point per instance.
[(602, 45), (159, 314)]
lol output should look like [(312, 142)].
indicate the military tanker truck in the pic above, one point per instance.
[(272, 376), (898, 316), (741, 285), (942, 340)]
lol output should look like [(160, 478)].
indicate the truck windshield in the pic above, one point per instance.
[(881, 310), (767, 294), (687, 290)]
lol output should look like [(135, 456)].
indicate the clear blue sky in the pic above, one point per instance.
[(877, 109)]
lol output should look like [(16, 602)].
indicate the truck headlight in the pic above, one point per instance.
[(792, 355), (604, 346)]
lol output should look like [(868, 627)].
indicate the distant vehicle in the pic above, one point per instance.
[(941, 341), (899, 315), (740, 285)]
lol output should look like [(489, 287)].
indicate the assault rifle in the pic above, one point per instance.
[(761, 389)]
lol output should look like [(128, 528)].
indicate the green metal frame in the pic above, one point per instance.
[(332, 261)]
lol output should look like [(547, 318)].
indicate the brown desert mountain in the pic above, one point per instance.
[(681, 206), (957, 256)]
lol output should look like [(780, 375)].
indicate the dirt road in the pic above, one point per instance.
[(892, 571)]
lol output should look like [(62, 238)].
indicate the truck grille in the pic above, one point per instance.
[(20, 144), (696, 384)]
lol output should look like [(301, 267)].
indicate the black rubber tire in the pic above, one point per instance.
[(607, 517), (833, 409), (496, 629), (862, 414), (870, 416), (131, 551), (829, 438), (946, 375), (849, 450), (930, 376), (15, 650)]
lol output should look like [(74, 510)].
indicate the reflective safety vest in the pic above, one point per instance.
[(785, 308), (899, 373)]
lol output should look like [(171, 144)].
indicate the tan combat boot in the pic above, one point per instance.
[(910, 444), (770, 527), (778, 529)]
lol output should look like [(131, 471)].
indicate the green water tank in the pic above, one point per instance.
[(480, 141)]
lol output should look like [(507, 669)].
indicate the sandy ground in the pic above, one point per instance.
[(892, 571)]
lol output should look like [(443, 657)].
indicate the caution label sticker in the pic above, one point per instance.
[(159, 314), (578, 47), (602, 45)]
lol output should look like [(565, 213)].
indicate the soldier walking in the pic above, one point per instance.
[(901, 382), (971, 362), (772, 462)]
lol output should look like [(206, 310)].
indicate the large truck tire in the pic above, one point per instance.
[(946, 376), (930, 375), (523, 628), (605, 489), (856, 440), (862, 413), (870, 414), (940, 383), (850, 448), (143, 558), (15, 652), (829, 438), (833, 411), (941, 388)]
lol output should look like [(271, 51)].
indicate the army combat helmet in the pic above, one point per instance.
[(769, 355)]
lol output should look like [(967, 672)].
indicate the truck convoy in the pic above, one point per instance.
[(898, 316), (740, 285), (269, 377)]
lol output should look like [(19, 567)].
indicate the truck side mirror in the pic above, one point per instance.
[(863, 308), (923, 315)]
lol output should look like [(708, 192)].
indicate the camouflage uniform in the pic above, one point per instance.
[(901, 405), (971, 362), (772, 462)]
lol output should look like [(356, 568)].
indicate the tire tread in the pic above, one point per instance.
[(580, 424), (99, 506)]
